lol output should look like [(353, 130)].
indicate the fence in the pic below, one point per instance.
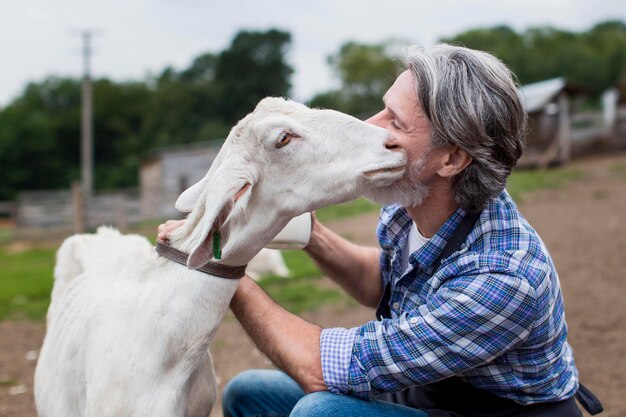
[(7, 209), (62, 212)]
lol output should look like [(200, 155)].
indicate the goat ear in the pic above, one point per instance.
[(211, 214), (187, 200)]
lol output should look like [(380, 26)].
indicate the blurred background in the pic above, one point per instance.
[(108, 110)]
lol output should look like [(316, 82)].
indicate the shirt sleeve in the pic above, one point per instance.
[(336, 351), (469, 321)]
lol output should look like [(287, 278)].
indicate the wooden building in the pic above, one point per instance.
[(614, 113), (165, 173), (548, 140)]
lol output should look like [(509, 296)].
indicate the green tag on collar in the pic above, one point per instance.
[(217, 247)]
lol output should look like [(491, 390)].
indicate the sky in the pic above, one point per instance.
[(138, 38)]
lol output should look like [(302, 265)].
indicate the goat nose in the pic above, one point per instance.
[(392, 144)]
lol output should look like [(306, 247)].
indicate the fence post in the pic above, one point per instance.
[(565, 130), (79, 207), (121, 218)]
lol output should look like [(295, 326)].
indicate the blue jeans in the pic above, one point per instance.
[(266, 393)]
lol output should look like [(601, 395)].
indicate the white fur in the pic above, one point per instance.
[(128, 332), (267, 262)]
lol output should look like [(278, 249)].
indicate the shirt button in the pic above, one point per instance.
[(413, 320), (396, 306)]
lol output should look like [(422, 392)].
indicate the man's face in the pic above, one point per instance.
[(404, 118)]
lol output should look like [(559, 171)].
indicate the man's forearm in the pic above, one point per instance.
[(291, 343), (355, 268)]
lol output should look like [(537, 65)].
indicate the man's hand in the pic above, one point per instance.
[(291, 343), (165, 229)]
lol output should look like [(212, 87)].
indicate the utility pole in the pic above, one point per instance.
[(86, 135), (86, 124)]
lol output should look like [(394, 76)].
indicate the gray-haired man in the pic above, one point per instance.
[(471, 319)]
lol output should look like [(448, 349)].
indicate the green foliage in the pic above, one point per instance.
[(183, 106), (25, 283), (40, 130), (365, 72), (595, 59), (36, 135), (298, 296), (26, 279), (350, 209), (522, 182), (618, 169), (252, 68), (302, 290)]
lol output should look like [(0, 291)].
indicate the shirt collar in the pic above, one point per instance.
[(399, 224)]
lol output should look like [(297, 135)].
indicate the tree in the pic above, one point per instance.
[(37, 134), (119, 118), (254, 66), (40, 130), (595, 59), (608, 39), (40, 135), (183, 103), (365, 72)]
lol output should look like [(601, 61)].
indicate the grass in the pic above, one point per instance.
[(350, 209), (523, 182), (26, 277), (25, 283), (618, 169), (600, 194), (6, 233), (301, 291), (7, 381)]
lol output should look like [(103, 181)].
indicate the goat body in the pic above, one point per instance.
[(128, 332)]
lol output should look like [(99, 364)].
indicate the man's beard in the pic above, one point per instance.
[(408, 191)]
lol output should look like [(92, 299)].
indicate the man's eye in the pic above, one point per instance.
[(394, 124)]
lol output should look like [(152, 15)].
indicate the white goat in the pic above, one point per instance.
[(128, 332), (266, 262)]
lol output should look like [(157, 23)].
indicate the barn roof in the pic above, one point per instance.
[(161, 151), (535, 96)]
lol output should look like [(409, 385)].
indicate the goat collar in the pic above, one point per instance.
[(211, 268)]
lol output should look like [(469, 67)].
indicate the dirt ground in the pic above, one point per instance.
[(584, 227)]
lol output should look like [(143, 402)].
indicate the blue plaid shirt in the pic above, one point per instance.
[(491, 314)]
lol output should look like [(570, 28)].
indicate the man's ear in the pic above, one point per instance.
[(454, 160)]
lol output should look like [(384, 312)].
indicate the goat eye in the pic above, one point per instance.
[(283, 139)]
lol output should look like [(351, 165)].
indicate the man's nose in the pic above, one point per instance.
[(377, 119)]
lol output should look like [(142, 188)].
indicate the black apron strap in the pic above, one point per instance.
[(458, 237), (452, 397), (383, 311), (588, 400), (452, 245)]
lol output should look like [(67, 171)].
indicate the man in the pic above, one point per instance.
[(477, 332)]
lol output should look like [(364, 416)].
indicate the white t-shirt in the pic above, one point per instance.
[(415, 241)]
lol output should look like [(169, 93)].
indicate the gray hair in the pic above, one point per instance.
[(470, 99)]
